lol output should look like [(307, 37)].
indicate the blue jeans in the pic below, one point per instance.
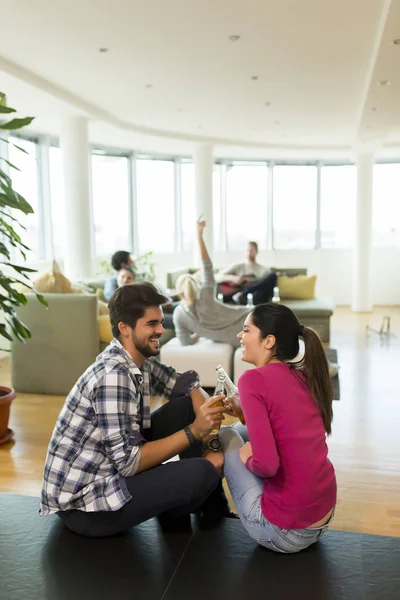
[(247, 489)]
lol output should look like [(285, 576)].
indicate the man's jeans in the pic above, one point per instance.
[(173, 489), (247, 489)]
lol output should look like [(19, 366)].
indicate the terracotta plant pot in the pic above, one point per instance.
[(7, 395)]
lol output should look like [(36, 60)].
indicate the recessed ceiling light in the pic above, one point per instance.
[(234, 38), (277, 122), (199, 127), (254, 77), (396, 42), (374, 109), (179, 110), (267, 103), (149, 86), (384, 82), (103, 50)]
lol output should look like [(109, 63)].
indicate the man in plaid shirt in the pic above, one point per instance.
[(104, 471)]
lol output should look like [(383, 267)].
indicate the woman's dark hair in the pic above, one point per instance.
[(129, 303), (118, 258), (278, 320)]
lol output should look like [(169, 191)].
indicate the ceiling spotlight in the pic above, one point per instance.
[(199, 127), (267, 103), (149, 86), (396, 42), (374, 109), (254, 77), (277, 122), (103, 50), (234, 38), (384, 82)]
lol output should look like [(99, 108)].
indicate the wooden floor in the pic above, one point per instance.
[(364, 447)]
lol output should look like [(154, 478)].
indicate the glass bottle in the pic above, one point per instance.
[(250, 301), (219, 390), (232, 393), (276, 297)]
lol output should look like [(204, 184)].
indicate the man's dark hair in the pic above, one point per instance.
[(129, 303), (122, 256), (255, 245)]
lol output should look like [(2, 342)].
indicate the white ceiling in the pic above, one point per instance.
[(318, 63)]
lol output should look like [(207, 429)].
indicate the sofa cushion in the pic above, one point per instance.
[(317, 307), (53, 282), (300, 287), (105, 333)]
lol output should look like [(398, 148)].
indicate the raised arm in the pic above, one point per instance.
[(202, 245), (207, 270)]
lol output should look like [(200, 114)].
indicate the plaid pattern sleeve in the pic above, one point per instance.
[(165, 381), (117, 415)]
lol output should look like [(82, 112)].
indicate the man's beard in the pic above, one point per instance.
[(145, 350)]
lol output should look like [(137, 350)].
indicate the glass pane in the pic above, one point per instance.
[(295, 206), (57, 200), (110, 184), (386, 205), (25, 182), (188, 205), (338, 198), (155, 205), (246, 188)]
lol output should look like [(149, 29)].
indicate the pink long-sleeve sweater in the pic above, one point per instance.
[(288, 440)]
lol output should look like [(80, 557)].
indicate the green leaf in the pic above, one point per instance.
[(9, 163), (15, 145), (17, 123), (6, 109), (4, 332), (42, 299), (21, 270), (6, 178), (14, 200), (8, 216)]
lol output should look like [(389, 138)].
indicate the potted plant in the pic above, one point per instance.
[(11, 274)]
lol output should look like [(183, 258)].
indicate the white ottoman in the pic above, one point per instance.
[(203, 357), (239, 366)]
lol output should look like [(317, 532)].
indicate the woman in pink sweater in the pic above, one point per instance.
[(281, 480)]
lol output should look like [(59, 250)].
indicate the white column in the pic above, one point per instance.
[(77, 212), (362, 301), (203, 172)]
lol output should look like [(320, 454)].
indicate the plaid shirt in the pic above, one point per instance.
[(98, 435)]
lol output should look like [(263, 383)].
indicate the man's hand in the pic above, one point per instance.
[(200, 227), (245, 452), (209, 418)]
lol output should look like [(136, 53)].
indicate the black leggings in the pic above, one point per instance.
[(262, 290)]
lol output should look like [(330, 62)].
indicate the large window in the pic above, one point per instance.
[(246, 205), (57, 200), (155, 205), (25, 182), (386, 205), (110, 185), (338, 201), (188, 206), (295, 206)]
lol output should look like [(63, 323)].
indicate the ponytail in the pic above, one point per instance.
[(316, 370), (187, 289)]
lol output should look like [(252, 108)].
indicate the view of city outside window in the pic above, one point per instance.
[(57, 200), (338, 204), (246, 205), (386, 205), (188, 205), (25, 182), (110, 191), (155, 205), (294, 206)]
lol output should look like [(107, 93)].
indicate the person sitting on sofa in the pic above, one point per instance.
[(104, 471), (200, 314), (125, 276), (119, 260), (248, 277)]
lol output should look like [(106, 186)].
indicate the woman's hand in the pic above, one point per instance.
[(228, 408), (245, 452), (200, 227)]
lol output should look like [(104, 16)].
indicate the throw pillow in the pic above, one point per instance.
[(301, 287), (53, 282), (105, 333)]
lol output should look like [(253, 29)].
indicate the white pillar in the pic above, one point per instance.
[(203, 173), (77, 212), (362, 301)]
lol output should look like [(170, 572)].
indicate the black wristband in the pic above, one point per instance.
[(189, 435)]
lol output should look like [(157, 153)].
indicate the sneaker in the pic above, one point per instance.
[(237, 297)]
